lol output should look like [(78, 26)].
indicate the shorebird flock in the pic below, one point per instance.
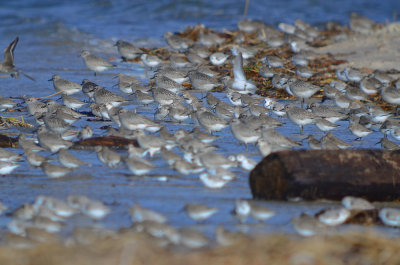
[(181, 91)]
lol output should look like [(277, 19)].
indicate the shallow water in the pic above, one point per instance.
[(51, 38)]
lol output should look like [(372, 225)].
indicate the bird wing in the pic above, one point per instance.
[(238, 70), (9, 53)]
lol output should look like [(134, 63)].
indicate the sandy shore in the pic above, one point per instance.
[(379, 49), (274, 249)]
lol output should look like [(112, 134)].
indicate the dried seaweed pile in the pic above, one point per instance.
[(324, 65)]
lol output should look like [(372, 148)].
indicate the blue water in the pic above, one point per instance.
[(137, 19), (52, 34)]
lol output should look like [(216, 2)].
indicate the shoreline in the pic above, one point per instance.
[(131, 248)]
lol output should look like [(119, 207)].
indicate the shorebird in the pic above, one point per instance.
[(209, 39), (359, 130), (391, 95), (244, 162), (6, 103), (330, 141), (201, 81), (202, 136), (325, 125), (304, 71), (69, 160), (95, 210), (201, 51), (190, 238), (34, 159), (370, 85), (65, 86), (218, 58), (327, 113), (213, 181), (313, 143), (134, 121), (7, 65), (173, 74), (126, 83), (72, 102), (103, 96), (225, 237), (152, 143), (127, 50), (306, 225), (300, 60), (299, 116), (138, 165), (150, 61), (223, 112), (334, 217), (55, 171), (95, 63), (390, 216), (7, 167), (179, 112), (353, 75), (209, 121), (382, 77), (242, 209), (301, 89), (167, 83), (266, 71), (141, 214), (273, 61), (273, 137), (260, 212), (28, 144), (212, 161), (277, 107), (7, 156), (108, 156), (388, 145), (243, 133), (165, 97), (354, 203), (355, 93), (212, 101), (178, 60), (177, 43), (185, 168), (342, 101), (199, 212), (51, 141)]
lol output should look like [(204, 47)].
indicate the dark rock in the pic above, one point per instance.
[(328, 174), (110, 141)]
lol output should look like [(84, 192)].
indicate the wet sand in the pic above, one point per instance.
[(377, 50), (131, 249)]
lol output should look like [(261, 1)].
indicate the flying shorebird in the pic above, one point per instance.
[(7, 65)]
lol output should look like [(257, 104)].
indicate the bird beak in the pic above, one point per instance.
[(51, 79)]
